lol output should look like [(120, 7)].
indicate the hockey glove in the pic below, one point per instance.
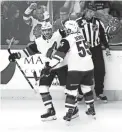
[(14, 56), (46, 70), (108, 53)]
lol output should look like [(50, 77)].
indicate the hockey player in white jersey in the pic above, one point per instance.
[(47, 45), (75, 51)]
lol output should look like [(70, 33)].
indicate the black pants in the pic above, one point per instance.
[(99, 69)]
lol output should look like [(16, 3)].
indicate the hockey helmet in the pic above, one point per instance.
[(47, 30), (71, 26)]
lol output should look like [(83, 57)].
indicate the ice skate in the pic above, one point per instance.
[(68, 116), (75, 114), (91, 112), (50, 115)]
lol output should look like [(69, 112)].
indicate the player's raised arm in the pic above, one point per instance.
[(28, 12)]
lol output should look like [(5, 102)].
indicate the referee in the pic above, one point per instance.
[(94, 33)]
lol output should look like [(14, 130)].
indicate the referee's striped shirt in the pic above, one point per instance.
[(94, 31)]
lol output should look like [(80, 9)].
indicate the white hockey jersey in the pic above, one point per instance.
[(75, 52), (47, 48)]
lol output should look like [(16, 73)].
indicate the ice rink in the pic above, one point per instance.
[(24, 116)]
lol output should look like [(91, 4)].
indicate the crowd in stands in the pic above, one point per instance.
[(13, 24)]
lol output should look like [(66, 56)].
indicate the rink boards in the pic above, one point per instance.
[(19, 88)]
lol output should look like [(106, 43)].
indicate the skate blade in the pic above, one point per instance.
[(105, 101), (49, 118), (68, 123), (75, 116), (92, 117)]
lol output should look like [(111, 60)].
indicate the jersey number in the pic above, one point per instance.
[(82, 50)]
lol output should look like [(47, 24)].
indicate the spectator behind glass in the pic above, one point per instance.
[(116, 9), (33, 15), (112, 24), (56, 9), (102, 10), (76, 8), (5, 5), (64, 15), (11, 25)]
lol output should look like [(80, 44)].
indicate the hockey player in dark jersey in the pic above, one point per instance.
[(47, 45)]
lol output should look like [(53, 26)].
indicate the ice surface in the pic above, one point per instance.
[(24, 116)]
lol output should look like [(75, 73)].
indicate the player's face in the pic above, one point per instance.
[(89, 14), (39, 14), (47, 33)]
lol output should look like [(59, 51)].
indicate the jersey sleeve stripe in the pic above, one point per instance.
[(56, 58), (30, 51), (26, 15), (26, 52)]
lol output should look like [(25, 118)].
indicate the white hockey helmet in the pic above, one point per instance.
[(46, 30), (71, 26)]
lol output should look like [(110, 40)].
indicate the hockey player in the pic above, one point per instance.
[(47, 45), (75, 51)]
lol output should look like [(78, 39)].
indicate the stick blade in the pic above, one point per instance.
[(8, 72)]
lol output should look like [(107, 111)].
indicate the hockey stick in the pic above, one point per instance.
[(22, 71), (8, 72), (10, 45), (35, 76)]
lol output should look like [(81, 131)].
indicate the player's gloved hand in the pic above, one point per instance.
[(62, 33), (46, 70), (14, 56)]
